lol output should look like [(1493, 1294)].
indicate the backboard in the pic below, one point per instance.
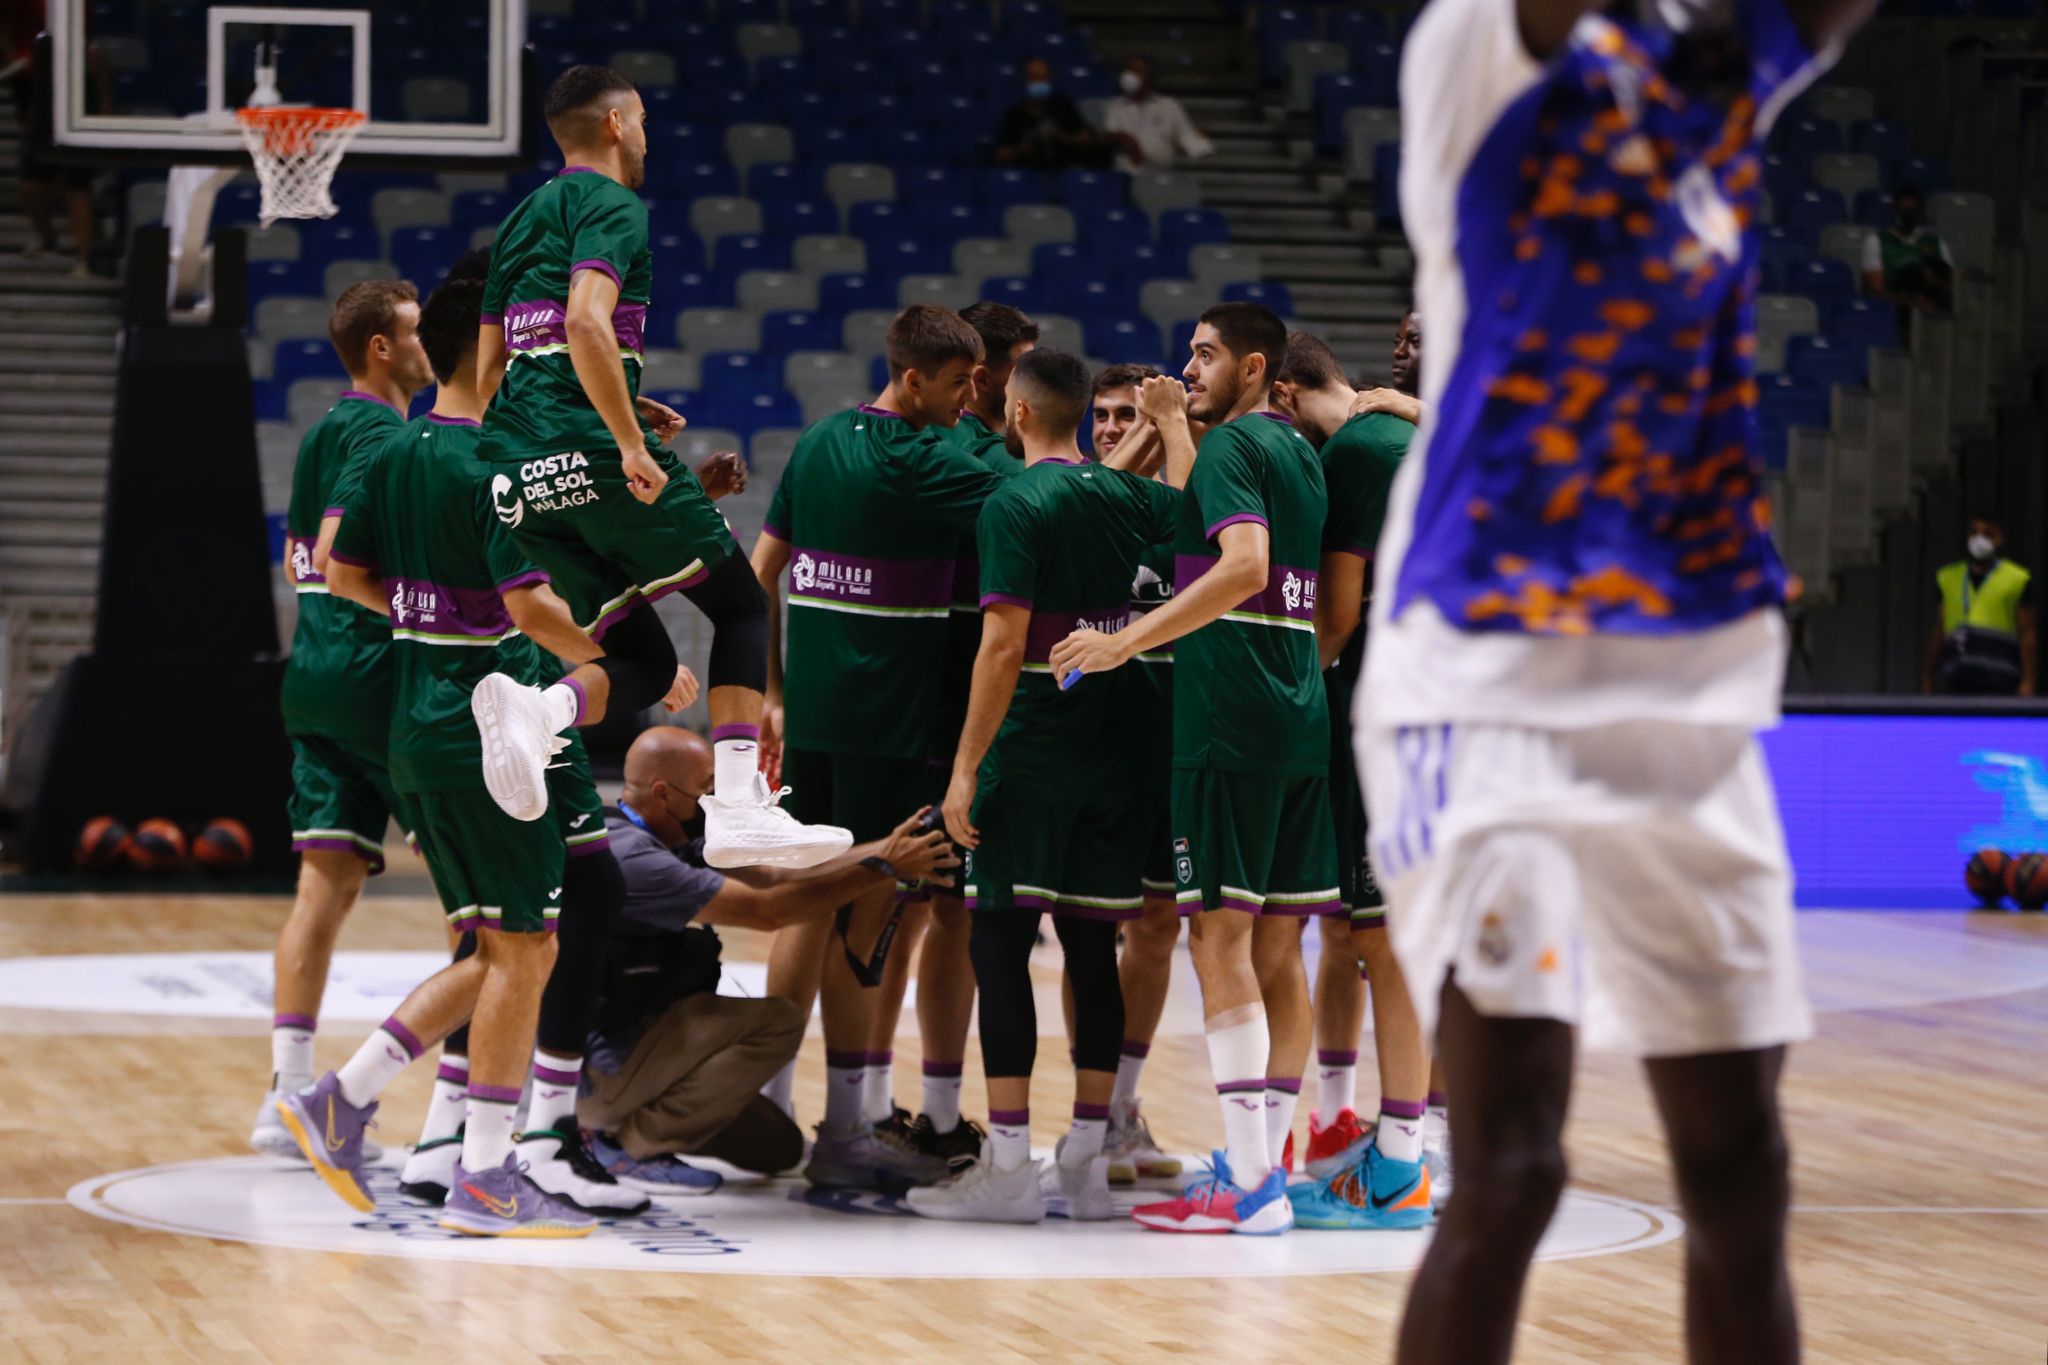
[(159, 80)]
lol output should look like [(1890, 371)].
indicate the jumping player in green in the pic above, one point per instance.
[(1251, 813), (337, 684), (1043, 789), (617, 523), (866, 523)]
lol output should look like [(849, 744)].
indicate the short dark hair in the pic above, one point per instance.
[(1124, 376), (574, 94), (366, 310), (925, 336), (1311, 364), (1247, 329), (448, 319), (999, 326), (1056, 383)]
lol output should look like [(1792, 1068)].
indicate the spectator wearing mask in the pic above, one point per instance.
[(1906, 262), (676, 1068), (1045, 130), (1151, 131), (1983, 644)]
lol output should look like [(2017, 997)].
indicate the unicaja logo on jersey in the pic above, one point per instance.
[(803, 575), (398, 604), (511, 514), (1290, 592)]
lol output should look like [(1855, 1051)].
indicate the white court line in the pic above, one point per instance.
[(1906, 1208), (34, 1201)]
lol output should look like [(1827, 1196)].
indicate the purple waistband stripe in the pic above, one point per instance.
[(1331, 1057), (1090, 1111), (1289, 594), (554, 1076), (304, 1021), (536, 323), (828, 577), (1402, 1109), (1010, 1118), (736, 730), (397, 1029), (945, 1071), (435, 609), (494, 1094), (1286, 1085)]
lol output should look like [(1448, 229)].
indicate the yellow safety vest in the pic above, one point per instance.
[(1993, 604)]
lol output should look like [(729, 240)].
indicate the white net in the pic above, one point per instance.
[(296, 152)]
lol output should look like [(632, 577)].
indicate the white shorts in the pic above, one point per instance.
[(1630, 879)]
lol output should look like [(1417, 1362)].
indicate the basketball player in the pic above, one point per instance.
[(1359, 1178), (1576, 629), (1044, 790), (1251, 813), (866, 523), (337, 683), (615, 525)]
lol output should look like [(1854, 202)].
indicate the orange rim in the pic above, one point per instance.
[(288, 132)]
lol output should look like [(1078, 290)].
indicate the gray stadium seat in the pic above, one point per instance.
[(262, 358), (755, 144), (1217, 264), (981, 258), (807, 370), (1846, 173), (340, 275), (1169, 301), (718, 329), (277, 450), (1059, 333), (947, 291), (865, 332), (466, 182), (776, 291), (1843, 104), (718, 216), (1035, 224), (819, 255), (1844, 242), (435, 99), (278, 242), (757, 42), (1780, 317), (821, 402), (664, 367), (645, 68), (146, 202), (307, 400), (850, 183), (483, 236), (745, 512), (1965, 222), (1159, 192), (1364, 131), (769, 455), (1307, 60), (398, 208), (699, 443), (287, 318)]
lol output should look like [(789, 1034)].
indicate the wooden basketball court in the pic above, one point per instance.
[(1918, 1121)]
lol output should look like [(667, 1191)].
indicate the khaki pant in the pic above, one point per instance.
[(692, 1074)]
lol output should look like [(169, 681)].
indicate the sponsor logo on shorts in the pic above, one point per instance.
[(554, 482), (578, 821)]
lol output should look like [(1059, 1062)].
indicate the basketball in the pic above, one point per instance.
[(2026, 881), (223, 846), (158, 846), (1985, 875), (102, 844)]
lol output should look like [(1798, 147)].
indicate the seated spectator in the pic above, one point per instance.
[(1045, 131), (675, 1067), (1984, 643), (1151, 131), (1907, 263)]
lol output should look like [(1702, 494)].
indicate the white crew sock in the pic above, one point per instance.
[(878, 1088), (554, 1090), (942, 1095), (781, 1089), (1129, 1064), (1280, 1101), (562, 704), (386, 1052), (736, 751), (487, 1131), (1336, 1083), (1237, 1060), (1009, 1138), (291, 1052), (845, 1106), (1399, 1132), (1085, 1136), (1436, 1121), (451, 1099)]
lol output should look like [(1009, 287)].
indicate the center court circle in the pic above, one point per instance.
[(783, 1228)]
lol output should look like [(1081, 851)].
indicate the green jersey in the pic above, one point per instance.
[(420, 518), (1359, 461), (338, 680), (580, 220), (1247, 688), (1150, 675), (873, 510), (963, 633), (1063, 540)]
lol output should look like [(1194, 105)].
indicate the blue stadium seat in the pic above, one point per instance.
[(1275, 296), (1386, 185), (695, 179), (1860, 324), (975, 14), (1800, 140), (767, 251), (423, 254), (1807, 212), (1784, 179), (676, 144), (1357, 27), (890, 15), (1822, 361), (785, 179), (696, 289), (737, 12), (740, 372), (1000, 189), (298, 360), (839, 295), (1180, 338), (1887, 142), (792, 218), (1099, 297), (1185, 229), (1015, 290), (1142, 264), (932, 188), (1823, 281), (1791, 402), (1335, 94), (1379, 67), (678, 249), (964, 220), (892, 258), (1109, 233), (1121, 339), (1032, 18), (1280, 25), (473, 209), (1927, 174), (237, 204), (881, 219), (322, 243), (274, 279), (831, 144), (806, 15), (1054, 261), (1873, 208), (878, 373), (789, 331), (1089, 193)]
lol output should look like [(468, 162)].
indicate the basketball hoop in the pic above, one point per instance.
[(296, 153)]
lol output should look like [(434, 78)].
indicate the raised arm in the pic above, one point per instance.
[(1239, 572), (1164, 400)]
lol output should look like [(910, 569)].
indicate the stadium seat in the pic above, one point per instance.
[(278, 242), (1166, 302), (1275, 296), (341, 274), (1966, 223), (760, 42), (667, 367), (718, 329), (1785, 401), (645, 68), (1364, 131), (1846, 173), (1218, 263), (821, 254), (1279, 27), (1060, 333), (286, 318), (393, 209), (423, 254), (1306, 59), (1823, 362), (1109, 233), (1156, 192), (1118, 340), (848, 185), (1886, 141), (472, 209), (1863, 323), (741, 372), (748, 145), (696, 289), (285, 279), (824, 368), (750, 251), (839, 295), (1184, 229), (866, 330), (436, 99), (980, 258), (1035, 223), (1844, 242), (776, 291), (1778, 319), (1015, 290), (894, 257), (929, 188), (788, 218), (1810, 211), (717, 216), (1822, 281), (947, 291), (297, 360), (1090, 193), (1841, 104)]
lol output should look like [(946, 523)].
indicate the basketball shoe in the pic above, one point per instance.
[(1436, 1156), (1376, 1194), (961, 1143), (979, 1193), (270, 1137), (664, 1174), (863, 1161), (748, 829), (1337, 1147), (504, 1202), (559, 1165), (329, 1132), (1214, 1202), (430, 1170), (1081, 1186), (1131, 1151), (511, 720)]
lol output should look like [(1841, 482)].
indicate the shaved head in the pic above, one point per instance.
[(668, 770)]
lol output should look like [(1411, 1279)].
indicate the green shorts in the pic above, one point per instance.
[(342, 798), (604, 549), (865, 794), (491, 871), (573, 802), (1356, 885), (1047, 851), (1253, 842), (1158, 870)]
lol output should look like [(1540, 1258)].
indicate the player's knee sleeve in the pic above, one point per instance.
[(639, 660), (732, 599), (1000, 947), (593, 892), (1090, 947)]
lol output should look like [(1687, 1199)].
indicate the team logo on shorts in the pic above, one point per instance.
[(510, 513), (1493, 945), (1183, 865)]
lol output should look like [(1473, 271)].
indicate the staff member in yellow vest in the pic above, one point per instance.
[(1983, 642)]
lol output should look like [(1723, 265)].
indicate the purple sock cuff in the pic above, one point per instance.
[(458, 1075), (846, 1061), (494, 1094), (554, 1077), (1287, 1085), (881, 1058), (582, 699), (304, 1021), (1090, 1111), (1438, 1100), (404, 1036), (1133, 1048), (1401, 1109), (1010, 1118), (735, 731), (1331, 1057), (945, 1071), (1240, 1087)]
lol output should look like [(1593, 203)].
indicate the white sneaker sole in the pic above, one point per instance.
[(976, 1213), (821, 843), (515, 777)]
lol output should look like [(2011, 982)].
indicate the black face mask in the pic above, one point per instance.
[(1908, 220)]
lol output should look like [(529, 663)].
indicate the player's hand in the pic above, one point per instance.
[(723, 473), (959, 801), (1403, 405), (682, 692), (916, 852), (771, 743), (666, 421), (1091, 651), (644, 478), (1163, 399)]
